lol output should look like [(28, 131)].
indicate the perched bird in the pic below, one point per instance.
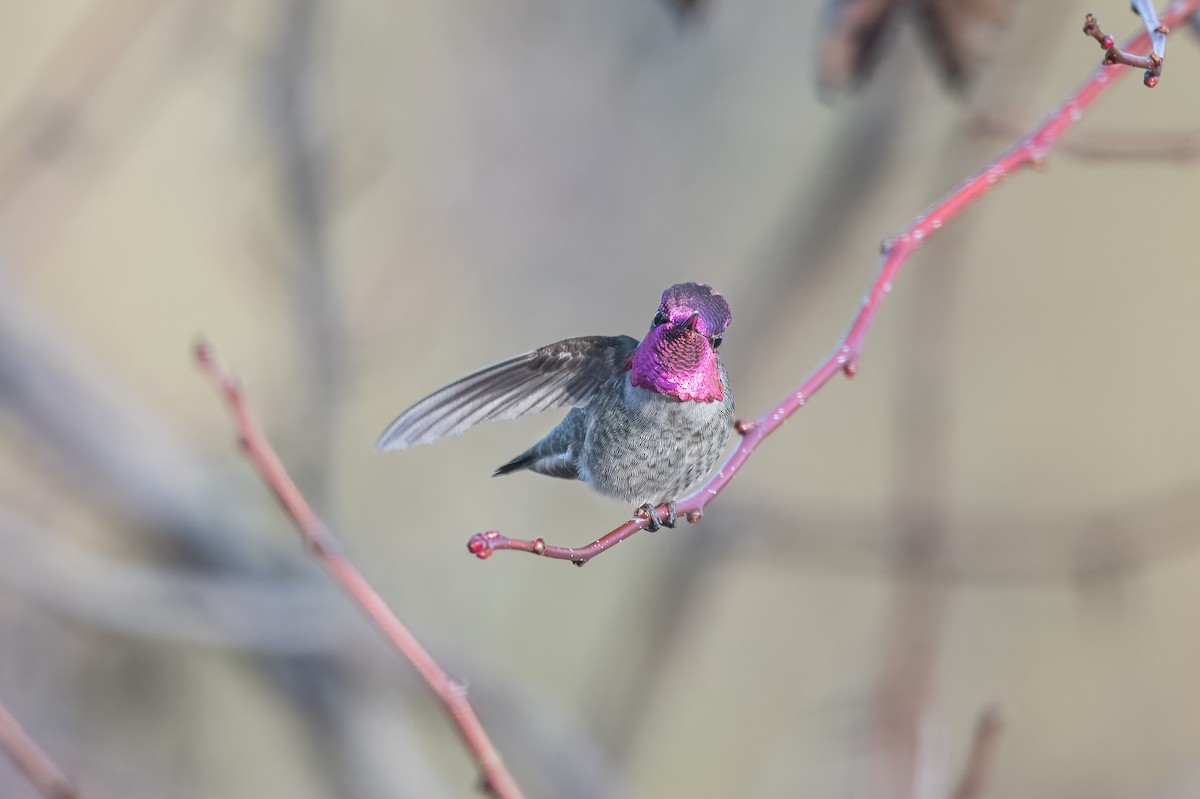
[(649, 420)]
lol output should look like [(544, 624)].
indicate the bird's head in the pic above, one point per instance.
[(678, 356)]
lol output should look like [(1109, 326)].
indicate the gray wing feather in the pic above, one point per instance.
[(565, 373)]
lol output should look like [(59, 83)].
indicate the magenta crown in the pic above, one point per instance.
[(678, 356), (683, 300)]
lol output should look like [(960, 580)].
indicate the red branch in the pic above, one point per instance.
[(1029, 151), (32, 761), (324, 546)]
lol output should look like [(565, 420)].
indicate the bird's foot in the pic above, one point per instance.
[(650, 513)]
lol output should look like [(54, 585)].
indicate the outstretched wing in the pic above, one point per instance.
[(565, 373)]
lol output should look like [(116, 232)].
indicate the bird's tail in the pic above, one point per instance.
[(522, 461), (550, 457)]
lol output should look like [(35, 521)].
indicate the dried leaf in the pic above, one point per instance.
[(853, 35)]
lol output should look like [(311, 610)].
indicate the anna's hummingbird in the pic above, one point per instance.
[(649, 420)]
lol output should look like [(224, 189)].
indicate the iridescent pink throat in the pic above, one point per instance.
[(677, 361)]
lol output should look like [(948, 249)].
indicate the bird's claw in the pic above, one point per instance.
[(653, 522), (648, 513)]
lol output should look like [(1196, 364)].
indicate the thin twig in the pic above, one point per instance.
[(32, 761), (1029, 151), (983, 753), (324, 546), (97, 440), (1157, 31)]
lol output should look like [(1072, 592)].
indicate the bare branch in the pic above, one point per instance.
[(101, 445), (324, 547), (1157, 31), (1031, 150), (32, 761)]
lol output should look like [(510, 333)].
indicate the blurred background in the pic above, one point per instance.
[(357, 203)]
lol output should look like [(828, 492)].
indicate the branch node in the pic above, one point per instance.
[(539, 546), (695, 516), (322, 544), (744, 426)]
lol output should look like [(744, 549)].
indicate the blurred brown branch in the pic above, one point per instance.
[(31, 760), (273, 614), (325, 548), (304, 147), (981, 756), (1130, 145)]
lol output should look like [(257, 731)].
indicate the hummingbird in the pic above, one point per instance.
[(648, 420)]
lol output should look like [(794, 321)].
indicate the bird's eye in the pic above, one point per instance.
[(659, 319), (715, 341)]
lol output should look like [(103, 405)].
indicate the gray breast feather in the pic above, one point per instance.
[(644, 447)]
